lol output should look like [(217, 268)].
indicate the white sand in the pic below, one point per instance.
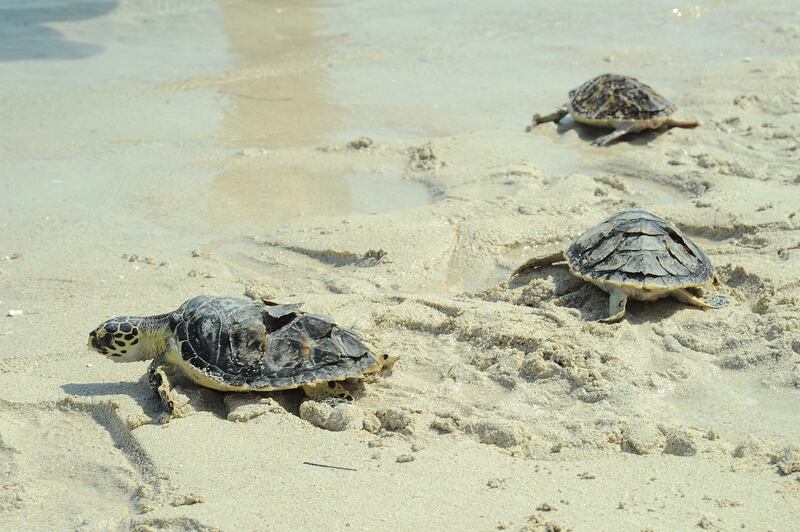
[(153, 151)]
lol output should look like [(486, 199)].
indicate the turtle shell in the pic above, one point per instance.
[(614, 97), (240, 343), (636, 248)]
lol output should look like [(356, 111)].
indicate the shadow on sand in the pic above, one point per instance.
[(139, 391), (592, 302), (200, 398), (591, 133)]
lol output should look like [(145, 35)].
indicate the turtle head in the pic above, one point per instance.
[(120, 339), (387, 362)]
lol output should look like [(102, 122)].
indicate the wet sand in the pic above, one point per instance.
[(157, 150)]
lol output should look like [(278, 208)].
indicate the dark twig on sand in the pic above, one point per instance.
[(330, 466)]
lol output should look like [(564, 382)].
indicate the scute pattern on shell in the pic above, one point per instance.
[(637, 248), (239, 342), (615, 97)]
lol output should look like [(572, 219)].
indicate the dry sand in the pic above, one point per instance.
[(154, 150)]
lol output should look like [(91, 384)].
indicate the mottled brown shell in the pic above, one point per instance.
[(637, 248), (615, 97), (238, 342)]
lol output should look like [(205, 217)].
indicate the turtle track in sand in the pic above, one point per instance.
[(103, 474)]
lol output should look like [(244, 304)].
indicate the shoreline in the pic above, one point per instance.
[(155, 178)]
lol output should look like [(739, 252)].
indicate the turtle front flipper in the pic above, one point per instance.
[(614, 135), (617, 299), (538, 262), (160, 375), (555, 116), (159, 381), (327, 391)]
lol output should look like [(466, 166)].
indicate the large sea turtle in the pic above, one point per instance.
[(238, 345), (620, 102), (636, 254)]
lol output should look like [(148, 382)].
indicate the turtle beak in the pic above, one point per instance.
[(91, 343), (387, 363), (96, 343)]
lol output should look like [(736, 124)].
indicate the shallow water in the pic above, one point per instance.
[(350, 75), (379, 192), (267, 76)]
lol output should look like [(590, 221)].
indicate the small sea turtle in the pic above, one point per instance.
[(639, 255), (620, 102), (238, 345)]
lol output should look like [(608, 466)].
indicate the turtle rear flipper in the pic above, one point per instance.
[(713, 302), (327, 392), (676, 122)]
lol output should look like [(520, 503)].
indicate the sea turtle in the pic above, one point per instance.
[(620, 102), (238, 345), (636, 254)]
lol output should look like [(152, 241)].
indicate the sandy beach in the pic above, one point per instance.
[(154, 150)]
